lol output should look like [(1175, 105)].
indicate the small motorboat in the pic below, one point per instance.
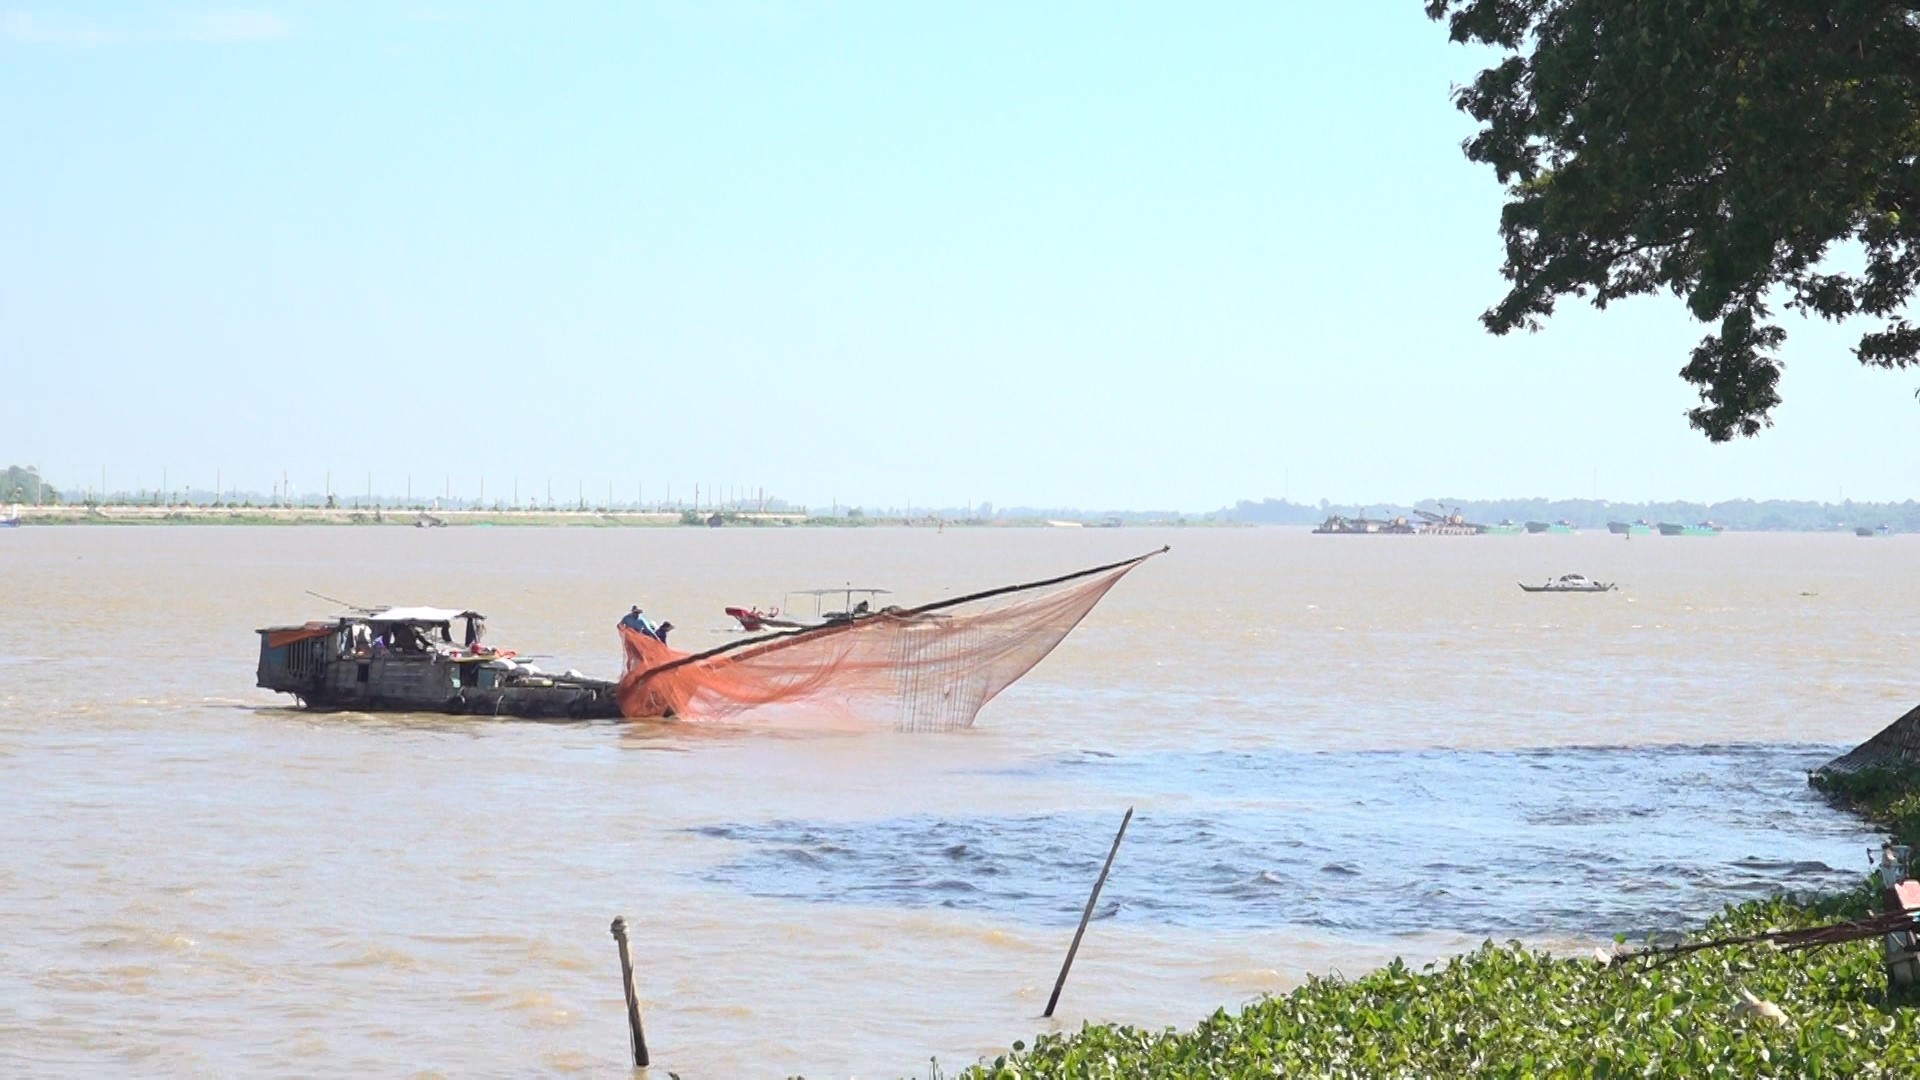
[(753, 619), (1570, 583)]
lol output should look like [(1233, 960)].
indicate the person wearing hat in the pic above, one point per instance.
[(637, 622)]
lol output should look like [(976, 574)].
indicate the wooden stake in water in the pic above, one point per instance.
[(640, 1057), (1086, 915)]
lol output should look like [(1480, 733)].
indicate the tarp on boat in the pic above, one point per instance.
[(421, 614)]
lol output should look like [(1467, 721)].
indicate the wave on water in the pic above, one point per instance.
[(1572, 841)]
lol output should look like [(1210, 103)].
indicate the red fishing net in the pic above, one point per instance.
[(929, 668)]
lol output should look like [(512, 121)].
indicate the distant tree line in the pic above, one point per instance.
[(23, 485), (1747, 515)]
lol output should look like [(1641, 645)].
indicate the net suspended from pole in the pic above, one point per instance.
[(930, 668)]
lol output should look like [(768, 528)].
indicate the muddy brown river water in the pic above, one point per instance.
[(1341, 749)]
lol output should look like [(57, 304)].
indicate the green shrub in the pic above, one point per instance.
[(1887, 795)]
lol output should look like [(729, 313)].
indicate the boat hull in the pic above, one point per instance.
[(556, 703)]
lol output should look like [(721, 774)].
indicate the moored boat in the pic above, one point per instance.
[(1636, 527), (1505, 528), (405, 659), (1561, 526), (1882, 529), (1570, 583), (1704, 528), (11, 519)]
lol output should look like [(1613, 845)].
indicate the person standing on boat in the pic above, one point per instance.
[(638, 623)]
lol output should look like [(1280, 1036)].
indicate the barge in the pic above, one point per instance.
[(405, 659)]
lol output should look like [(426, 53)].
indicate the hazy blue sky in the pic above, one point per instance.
[(1093, 254)]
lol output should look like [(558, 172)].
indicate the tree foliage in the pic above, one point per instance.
[(1720, 150), (23, 485)]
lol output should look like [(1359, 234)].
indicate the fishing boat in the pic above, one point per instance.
[(925, 668), (1561, 526), (1882, 529), (754, 619), (405, 659), (1570, 583), (1704, 528), (1637, 527)]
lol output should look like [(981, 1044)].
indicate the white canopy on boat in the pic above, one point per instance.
[(421, 614)]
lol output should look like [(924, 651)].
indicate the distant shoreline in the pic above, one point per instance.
[(590, 519)]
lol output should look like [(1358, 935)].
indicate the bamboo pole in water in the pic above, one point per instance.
[(640, 1056), (1061, 982)]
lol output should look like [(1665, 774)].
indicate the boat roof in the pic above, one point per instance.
[(838, 591), (419, 614)]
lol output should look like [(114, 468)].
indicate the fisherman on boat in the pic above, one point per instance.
[(635, 621)]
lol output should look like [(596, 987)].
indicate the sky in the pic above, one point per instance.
[(1123, 256)]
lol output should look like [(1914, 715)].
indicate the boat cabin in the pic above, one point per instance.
[(409, 659)]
